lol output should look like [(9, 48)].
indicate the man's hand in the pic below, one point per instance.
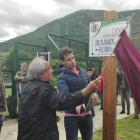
[(92, 87), (57, 118), (94, 97), (21, 78), (78, 108)]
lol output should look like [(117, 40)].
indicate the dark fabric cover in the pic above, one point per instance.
[(70, 82), (37, 110), (12, 106), (129, 60)]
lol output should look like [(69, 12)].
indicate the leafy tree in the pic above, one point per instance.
[(54, 65), (8, 63)]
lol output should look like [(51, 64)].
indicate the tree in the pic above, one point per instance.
[(8, 63)]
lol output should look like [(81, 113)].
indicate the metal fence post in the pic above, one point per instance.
[(46, 49), (14, 92), (87, 56)]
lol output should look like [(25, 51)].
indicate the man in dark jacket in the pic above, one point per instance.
[(40, 100), (94, 75), (21, 78), (73, 79), (125, 92)]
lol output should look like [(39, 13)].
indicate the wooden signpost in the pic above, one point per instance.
[(109, 91), (104, 37)]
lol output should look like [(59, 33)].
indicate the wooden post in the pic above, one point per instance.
[(109, 91)]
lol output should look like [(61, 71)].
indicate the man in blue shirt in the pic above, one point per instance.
[(72, 79)]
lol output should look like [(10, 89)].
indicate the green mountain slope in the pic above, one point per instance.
[(79, 22)]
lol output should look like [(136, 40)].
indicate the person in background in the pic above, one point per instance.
[(21, 78), (94, 75), (90, 73), (70, 80), (118, 89), (125, 93), (136, 113), (40, 100), (100, 89)]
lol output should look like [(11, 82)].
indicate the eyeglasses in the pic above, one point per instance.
[(49, 68)]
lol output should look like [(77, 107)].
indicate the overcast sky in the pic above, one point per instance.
[(18, 17)]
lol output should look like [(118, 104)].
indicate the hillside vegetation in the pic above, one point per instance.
[(79, 22)]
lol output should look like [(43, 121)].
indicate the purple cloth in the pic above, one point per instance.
[(129, 60)]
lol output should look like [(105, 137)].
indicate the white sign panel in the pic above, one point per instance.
[(103, 36)]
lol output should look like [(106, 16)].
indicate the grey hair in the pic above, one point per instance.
[(23, 63), (35, 68)]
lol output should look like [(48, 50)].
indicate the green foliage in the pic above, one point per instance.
[(54, 81), (2, 56), (54, 64), (7, 63), (81, 64)]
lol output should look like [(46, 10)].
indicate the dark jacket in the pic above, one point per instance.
[(94, 76), (120, 76), (70, 82), (37, 110), (118, 79)]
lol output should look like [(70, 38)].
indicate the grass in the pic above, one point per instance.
[(127, 129)]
